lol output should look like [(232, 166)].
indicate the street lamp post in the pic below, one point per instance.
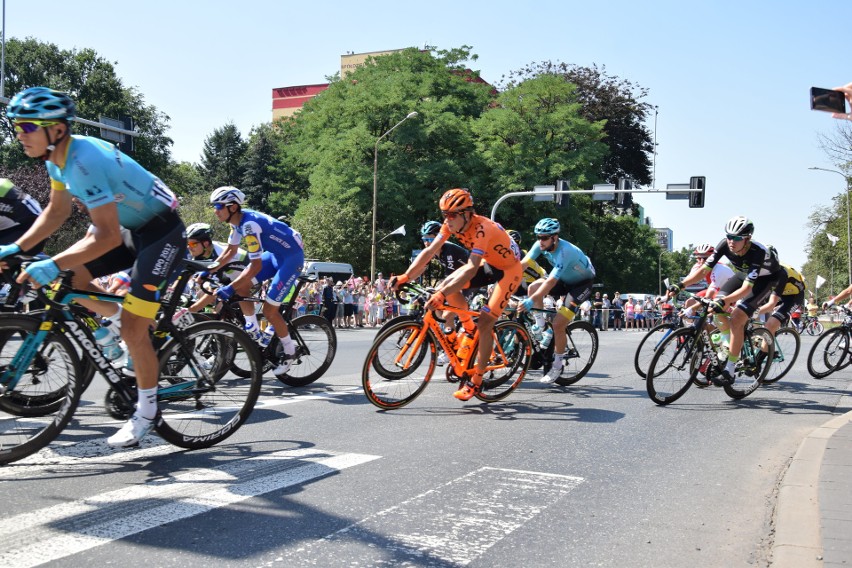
[(848, 215), (375, 193), (660, 274)]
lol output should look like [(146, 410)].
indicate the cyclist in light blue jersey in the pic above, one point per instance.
[(117, 192), (571, 279), (262, 234)]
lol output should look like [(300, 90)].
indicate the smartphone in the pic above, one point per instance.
[(827, 100)]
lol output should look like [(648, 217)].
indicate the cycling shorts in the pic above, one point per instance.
[(761, 289), (485, 276), (579, 292), (283, 271), (787, 304)]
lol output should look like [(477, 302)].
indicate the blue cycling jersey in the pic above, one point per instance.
[(97, 173), (263, 233), (570, 264)]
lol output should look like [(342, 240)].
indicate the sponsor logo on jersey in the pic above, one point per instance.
[(252, 244)]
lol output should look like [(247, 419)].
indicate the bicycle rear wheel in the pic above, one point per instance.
[(673, 367), (53, 370), (815, 328), (201, 401), (314, 353), (828, 353), (397, 348), (509, 362), (580, 352), (754, 363), (648, 346), (787, 345)]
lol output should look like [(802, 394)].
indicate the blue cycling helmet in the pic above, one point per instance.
[(430, 228), (547, 226), (41, 103)]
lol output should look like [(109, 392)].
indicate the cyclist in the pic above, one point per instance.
[(487, 242), (18, 212), (571, 279), (715, 279), (756, 272), (790, 292), (262, 234), (533, 271), (117, 192)]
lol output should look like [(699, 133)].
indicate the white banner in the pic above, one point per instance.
[(819, 281), (832, 238)]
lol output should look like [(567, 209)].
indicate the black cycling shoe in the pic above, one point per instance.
[(725, 379)]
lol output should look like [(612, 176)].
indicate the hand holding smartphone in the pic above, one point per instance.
[(828, 100)]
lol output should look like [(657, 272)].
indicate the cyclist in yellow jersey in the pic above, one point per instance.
[(784, 298)]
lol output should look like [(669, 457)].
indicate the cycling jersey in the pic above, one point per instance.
[(793, 285), (261, 232), (487, 239), (17, 208), (97, 173), (532, 270), (570, 264), (231, 270), (451, 257), (758, 260)]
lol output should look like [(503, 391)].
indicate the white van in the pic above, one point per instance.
[(339, 271)]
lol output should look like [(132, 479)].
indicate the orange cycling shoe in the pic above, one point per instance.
[(470, 388)]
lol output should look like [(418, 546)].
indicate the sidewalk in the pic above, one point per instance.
[(813, 517)]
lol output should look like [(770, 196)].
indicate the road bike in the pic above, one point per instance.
[(403, 357), (652, 340), (787, 347), (44, 357), (688, 356), (831, 351), (315, 338), (808, 324)]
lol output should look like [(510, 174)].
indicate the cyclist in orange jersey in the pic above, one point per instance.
[(488, 243)]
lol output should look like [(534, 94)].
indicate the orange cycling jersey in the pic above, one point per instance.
[(489, 240)]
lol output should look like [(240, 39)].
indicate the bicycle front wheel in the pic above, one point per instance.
[(673, 367), (201, 400), (316, 347), (580, 352), (28, 420), (828, 353), (815, 328), (510, 360), (648, 346), (399, 347), (755, 362), (787, 345)]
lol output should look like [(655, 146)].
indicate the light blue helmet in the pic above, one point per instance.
[(547, 226), (430, 228), (41, 103)]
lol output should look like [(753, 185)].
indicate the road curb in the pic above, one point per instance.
[(798, 537)]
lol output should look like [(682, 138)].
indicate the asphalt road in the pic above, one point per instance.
[(593, 474)]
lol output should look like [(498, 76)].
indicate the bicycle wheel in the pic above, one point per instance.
[(787, 345), (314, 352), (815, 328), (395, 371), (509, 362), (754, 363), (201, 401), (673, 366), (53, 368), (829, 352), (648, 346), (397, 348), (580, 352)]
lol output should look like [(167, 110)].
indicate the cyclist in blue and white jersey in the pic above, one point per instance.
[(261, 234), (117, 192), (571, 279)]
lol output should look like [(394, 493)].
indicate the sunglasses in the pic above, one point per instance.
[(219, 206), (544, 237), (451, 214), (193, 243), (30, 126), (428, 239), (735, 238)]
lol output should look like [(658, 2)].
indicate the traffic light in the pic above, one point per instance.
[(624, 200), (696, 192), (562, 198)]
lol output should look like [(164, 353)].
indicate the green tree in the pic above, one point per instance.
[(222, 158), (259, 160), (95, 87), (184, 179)]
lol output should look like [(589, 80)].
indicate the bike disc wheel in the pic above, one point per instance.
[(201, 401), (53, 371), (755, 365), (314, 353), (397, 348), (672, 367), (509, 362), (787, 346), (648, 346), (828, 353), (580, 352)]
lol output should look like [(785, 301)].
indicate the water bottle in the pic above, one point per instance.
[(253, 332), (716, 339), (464, 349), (108, 339), (536, 332), (267, 335), (546, 338), (719, 346)]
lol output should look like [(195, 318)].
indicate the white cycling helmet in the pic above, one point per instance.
[(227, 194)]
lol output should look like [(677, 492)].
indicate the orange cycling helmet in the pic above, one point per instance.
[(457, 199)]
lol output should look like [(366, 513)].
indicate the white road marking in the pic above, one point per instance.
[(455, 523), (55, 532)]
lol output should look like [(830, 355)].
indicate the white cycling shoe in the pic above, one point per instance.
[(131, 433)]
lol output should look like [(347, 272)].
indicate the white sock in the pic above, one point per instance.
[(731, 366), (251, 321), (288, 345), (147, 403), (557, 360)]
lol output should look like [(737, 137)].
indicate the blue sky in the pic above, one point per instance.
[(731, 79)]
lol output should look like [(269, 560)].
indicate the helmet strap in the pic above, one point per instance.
[(51, 144), (231, 213)]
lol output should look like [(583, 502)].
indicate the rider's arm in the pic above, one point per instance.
[(456, 281), (227, 254)]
